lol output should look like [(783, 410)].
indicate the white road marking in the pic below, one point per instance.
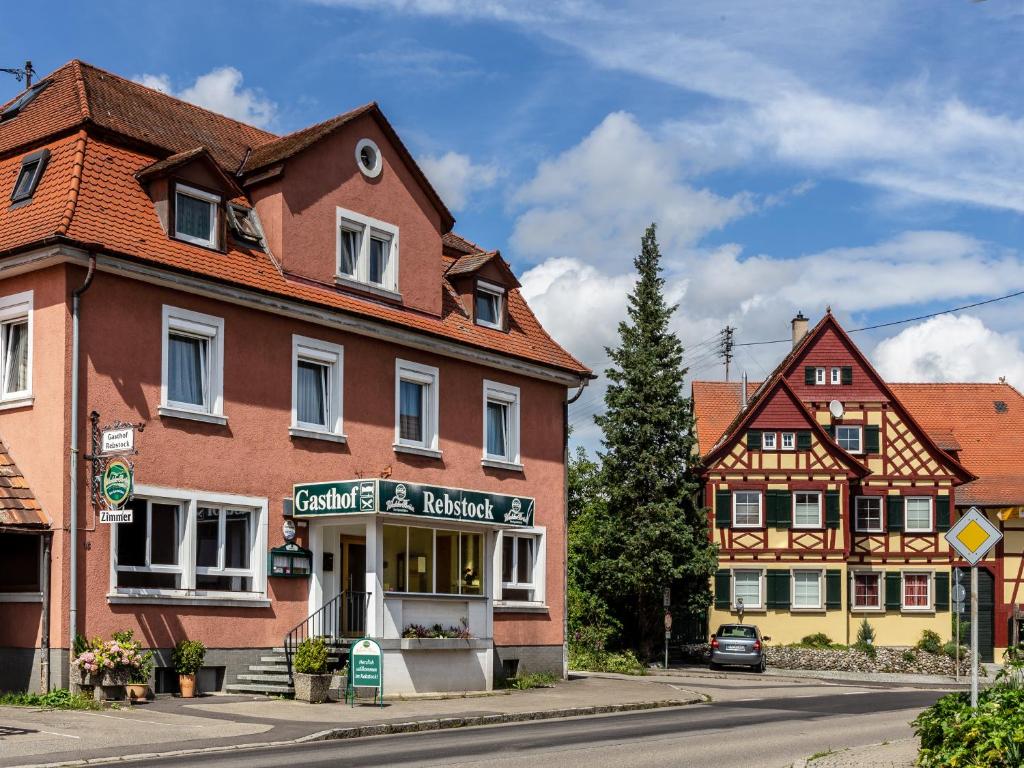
[(150, 722), (65, 735)]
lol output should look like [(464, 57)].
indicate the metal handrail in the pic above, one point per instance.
[(344, 615)]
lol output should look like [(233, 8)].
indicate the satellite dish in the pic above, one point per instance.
[(836, 409)]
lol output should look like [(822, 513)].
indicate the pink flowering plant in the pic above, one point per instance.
[(122, 652)]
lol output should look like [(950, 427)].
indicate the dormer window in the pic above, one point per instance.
[(490, 305), (367, 253), (32, 167), (195, 215), (245, 225)]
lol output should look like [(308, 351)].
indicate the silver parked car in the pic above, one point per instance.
[(739, 644)]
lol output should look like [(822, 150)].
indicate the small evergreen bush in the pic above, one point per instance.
[(311, 656), (930, 642), (866, 648), (865, 633)]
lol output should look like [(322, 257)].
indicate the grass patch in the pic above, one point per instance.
[(58, 699), (823, 753), (531, 680), (588, 660)]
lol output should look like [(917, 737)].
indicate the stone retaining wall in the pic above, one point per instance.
[(887, 659)]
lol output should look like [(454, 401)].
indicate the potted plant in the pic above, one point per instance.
[(187, 658), (312, 681), (138, 681)]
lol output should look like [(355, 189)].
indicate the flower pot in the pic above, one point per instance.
[(118, 676), (137, 691), (312, 688), (187, 684)]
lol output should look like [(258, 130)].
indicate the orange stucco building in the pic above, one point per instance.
[(268, 311)]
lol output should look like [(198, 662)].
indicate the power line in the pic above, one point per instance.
[(1013, 295)]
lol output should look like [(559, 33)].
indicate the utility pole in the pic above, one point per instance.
[(725, 350)]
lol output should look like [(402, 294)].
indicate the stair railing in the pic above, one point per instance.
[(342, 616)]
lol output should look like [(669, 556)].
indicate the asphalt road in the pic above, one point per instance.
[(769, 732)]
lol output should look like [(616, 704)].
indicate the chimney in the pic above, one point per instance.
[(799, 328), (743, 392)]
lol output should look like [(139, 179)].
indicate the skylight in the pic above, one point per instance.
[(19, 103), (1001, 406), (32, 167), (244, 224)]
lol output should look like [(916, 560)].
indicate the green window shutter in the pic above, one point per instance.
[(723, 509), (872, 439), (809, 374), (778, 589), (803, 440), (846, 372), (831, 430), (941, 513), (783, 509), (753, 440), (770, 508), (832, 509), (893, 588), (723, 586), (941, 591), (833, 589), (894, 513)]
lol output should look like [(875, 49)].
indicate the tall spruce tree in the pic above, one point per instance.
[(657, 530)]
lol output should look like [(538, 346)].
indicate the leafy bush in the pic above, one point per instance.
[(122, 652), (590, 660), (188, 656), (930, 642), (817, 640), (990, 737), (524, 682), (865, 633), (866, 648), (57, 699), (909, 655), (311, 656), (950, 650)]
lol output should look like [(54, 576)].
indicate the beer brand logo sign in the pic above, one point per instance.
[(116, 483), (400, 501), (516, 514)]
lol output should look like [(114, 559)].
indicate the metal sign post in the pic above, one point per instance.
[(666, 601), (972, 538)]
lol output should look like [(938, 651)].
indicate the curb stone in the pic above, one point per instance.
[(386, 729)]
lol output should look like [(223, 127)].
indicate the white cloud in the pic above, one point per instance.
[(456, 177), (951, 348), (219, 90)]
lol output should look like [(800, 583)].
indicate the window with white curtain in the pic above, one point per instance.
[(746, 586), (367, 251), (501, 424), (317, 378), (193, 360), (807, 589), (416, 408), (195, 216), (16, 347)]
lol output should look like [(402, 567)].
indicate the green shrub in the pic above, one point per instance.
[(311, 656), (865, 633), (523, 682), (930, 642), (57, 699), (188, 656), (950, 650), (81, 644), (817, 640), (909, 656), (866, 648), (591, 660), (990, 737)]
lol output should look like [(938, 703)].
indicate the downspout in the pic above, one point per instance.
[(44, 629), (76, 296), (565, 506)]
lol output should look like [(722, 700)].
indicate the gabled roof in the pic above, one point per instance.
[(472, 263), (745, 417), (716, 404), (198, 154), (18, 505)]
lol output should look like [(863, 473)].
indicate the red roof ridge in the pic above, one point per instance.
[(77, 168), (264, 154), (80, 89)]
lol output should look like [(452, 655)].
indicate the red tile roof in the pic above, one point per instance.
[(18, 505), (716, 404), (89, 195)]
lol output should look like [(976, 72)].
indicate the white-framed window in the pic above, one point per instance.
[(521, 567), (433, 560), (807, 509), (867, 516), (16, 349), (867, 591), (746, 586), (746, 509), (317, 386), (768, 441), (918, 514), (368, 158), (835, 376), (501, 424), (190, 544), (807, 589), (848, 437), (489, 305), (192, 381), (367, 251), (788, 441), (819, 376), (416, 408), (195, 215), (917, 591)]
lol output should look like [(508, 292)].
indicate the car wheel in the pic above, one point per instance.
[(762, 666)]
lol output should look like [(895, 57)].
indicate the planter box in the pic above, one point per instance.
[(437, 644), (108, 685), (312, 688)]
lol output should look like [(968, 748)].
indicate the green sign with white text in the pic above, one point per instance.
[(400, 498), (116, 483)]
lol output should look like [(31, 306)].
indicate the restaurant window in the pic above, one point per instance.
[(195, 216), (193, 365), (224, 541), (746, 509), (431, 561), (917, 591), (317, 378), (16, 347), (148, 550), (501, 423), (21, 569), (489, 304), (518, 567), (867, 590), (746, 586), (416, 407), (806, 589), (807, 509), (367, 251), (868, 514)]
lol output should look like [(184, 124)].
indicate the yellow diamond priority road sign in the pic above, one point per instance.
[(973, 536)]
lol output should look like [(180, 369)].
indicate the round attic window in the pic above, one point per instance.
[(368, 158)]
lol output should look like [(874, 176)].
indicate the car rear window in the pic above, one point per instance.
[(737, 631)]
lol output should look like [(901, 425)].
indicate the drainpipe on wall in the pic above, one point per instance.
[(44, 629), (76, 296), (565, 506)]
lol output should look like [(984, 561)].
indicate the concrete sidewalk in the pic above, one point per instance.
[(896, 754), (178, 726)]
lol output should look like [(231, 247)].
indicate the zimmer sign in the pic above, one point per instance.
[(399, 498)]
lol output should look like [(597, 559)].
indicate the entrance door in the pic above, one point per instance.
[(353, 586), (986, 610)]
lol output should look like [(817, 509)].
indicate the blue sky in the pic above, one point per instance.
[(867, 156)]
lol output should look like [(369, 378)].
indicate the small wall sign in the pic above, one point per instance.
[(118, 440), (116, 515), (116, 483)]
